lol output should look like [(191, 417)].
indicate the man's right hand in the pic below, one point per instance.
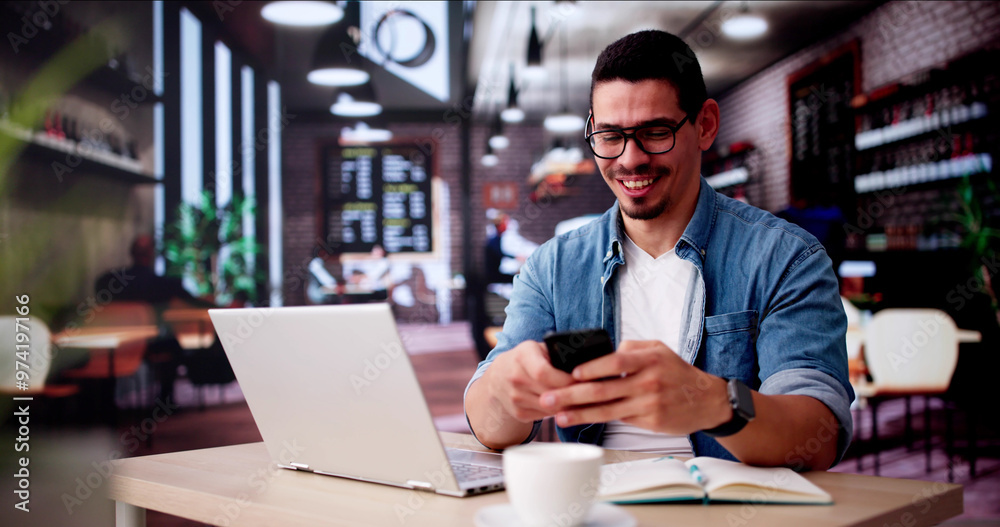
[(503, 404)]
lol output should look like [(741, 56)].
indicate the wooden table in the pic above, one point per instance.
[(184, 320), (238, 485)]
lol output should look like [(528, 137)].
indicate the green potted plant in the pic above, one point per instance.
[(206, 246), (979, 227)]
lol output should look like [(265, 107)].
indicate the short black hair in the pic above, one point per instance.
[(653, 54)]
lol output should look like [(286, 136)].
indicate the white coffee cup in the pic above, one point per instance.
[(552, 484)]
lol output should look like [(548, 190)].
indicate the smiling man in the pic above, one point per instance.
[(727, 321)]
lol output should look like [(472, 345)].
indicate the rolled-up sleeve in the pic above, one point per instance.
[(801, 344), (529, 316)]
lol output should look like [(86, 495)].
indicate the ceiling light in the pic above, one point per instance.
[(336, 61), (512, 115), (564, 122), (499, 142), (534, 69), (362, 133), (489, 158), (357, 101), (338, 77), (744, 27), (302, 14)]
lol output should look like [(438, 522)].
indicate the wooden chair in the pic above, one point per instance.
[(135, 322), (911, 352)]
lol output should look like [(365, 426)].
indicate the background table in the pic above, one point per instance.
[(238, 485)]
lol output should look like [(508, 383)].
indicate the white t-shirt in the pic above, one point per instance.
[(651, 292)]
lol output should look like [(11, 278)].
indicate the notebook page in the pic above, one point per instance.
[(647, 474), (767, 483)]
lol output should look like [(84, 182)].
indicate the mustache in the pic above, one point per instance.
[(641, 170)]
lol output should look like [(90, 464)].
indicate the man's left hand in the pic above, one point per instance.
[(647, 385)]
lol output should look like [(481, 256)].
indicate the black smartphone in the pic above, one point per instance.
[(569, 349)]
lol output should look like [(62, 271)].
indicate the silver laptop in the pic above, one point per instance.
[(333, 392)]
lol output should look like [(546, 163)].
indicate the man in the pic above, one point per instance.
[(727, 321), (140, 283)]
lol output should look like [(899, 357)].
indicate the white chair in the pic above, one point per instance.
[(39, 354), (855, 333), (911, 352), (39, 360)]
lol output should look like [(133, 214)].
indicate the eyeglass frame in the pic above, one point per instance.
[(632, 135)]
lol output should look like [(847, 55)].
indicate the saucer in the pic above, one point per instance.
[(601, 515)]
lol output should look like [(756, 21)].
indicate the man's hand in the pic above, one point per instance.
[(505, 401), (650, 387)]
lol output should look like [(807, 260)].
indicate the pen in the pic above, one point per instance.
[(698, 475)]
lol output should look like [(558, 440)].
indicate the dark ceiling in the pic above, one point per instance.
[(499, 35)]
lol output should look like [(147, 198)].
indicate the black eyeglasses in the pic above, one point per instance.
[(651, 139)]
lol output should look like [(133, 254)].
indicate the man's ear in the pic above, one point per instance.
[(707, 124)]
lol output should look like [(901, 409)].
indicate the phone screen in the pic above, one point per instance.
[(569, 349)]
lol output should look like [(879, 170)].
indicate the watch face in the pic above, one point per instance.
[(742, 399)]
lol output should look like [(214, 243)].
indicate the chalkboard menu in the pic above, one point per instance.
[(378, 195), (822, 123)]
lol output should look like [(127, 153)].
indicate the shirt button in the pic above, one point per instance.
[(608, 255), (602, 279)]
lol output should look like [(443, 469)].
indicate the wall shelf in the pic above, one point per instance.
[(66, 156)]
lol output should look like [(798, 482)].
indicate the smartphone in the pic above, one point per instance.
[(569, 349)]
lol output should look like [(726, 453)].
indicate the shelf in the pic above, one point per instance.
[(729, 178), (920, 125), (73, 156), (966, 165)]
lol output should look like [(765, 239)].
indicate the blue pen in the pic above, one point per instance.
[(698, 475)]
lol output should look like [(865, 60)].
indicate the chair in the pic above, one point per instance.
[(108, 364), (37, 361), (911, 352)]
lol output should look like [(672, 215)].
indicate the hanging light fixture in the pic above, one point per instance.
[(498, 141), (336, 61), (745, 26), (564, 122), (362, 133), (356, 101), (302, 14), (489, 158), (512, 113), (534, 69)]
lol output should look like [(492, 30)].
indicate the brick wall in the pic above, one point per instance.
[(896, 39), (536, 219)]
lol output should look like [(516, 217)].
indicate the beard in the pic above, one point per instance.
[(642, 208)]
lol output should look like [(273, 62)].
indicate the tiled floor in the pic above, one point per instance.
[(444, 360)]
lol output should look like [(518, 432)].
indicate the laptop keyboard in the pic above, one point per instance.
[(467, 472)]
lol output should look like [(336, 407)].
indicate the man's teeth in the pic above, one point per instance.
[(633, 185)]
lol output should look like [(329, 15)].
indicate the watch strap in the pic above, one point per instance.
[(737, 392)]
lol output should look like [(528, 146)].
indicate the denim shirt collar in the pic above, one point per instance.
[(693, 243)]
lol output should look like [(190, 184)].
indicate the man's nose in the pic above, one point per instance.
[(633, 156)]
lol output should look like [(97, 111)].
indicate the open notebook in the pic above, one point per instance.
[(705, 479)]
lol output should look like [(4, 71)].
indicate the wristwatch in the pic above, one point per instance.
[(741, 400)]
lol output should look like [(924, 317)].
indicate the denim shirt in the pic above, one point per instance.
[(764, 307)]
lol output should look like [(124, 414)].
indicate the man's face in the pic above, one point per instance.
[(648, 185)]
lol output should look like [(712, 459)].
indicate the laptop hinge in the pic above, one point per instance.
[(301, 466), (420, 485)]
